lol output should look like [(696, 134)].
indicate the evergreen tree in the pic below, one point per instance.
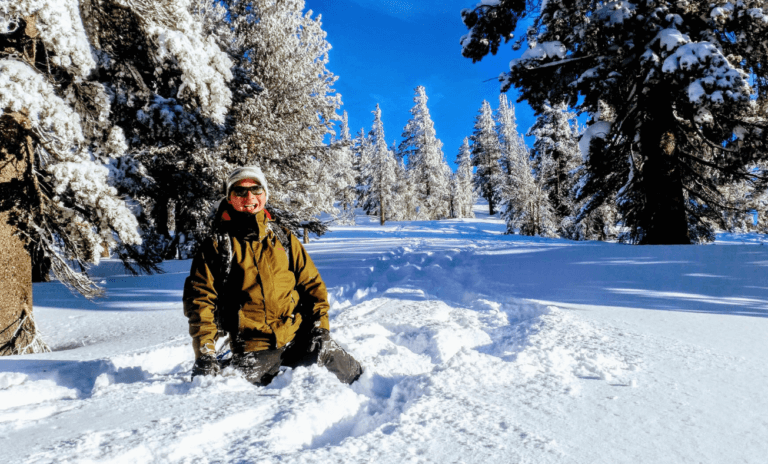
[(342, 167), (486, 152), (489, 22), (169, 166), (362, 150), (463, 195), (282, 129), (590, 222), (556, 155), (677, 76), (379, 174), (513, 148), (409, 207), (65, 135), (524, 204), (429, 172), (760, 218), (741, 218)]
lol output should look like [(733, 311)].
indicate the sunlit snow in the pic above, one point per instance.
[(478, 347)]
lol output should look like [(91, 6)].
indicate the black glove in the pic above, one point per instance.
[(206, 364), (318, 338)]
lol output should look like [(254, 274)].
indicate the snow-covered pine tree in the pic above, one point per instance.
[(760, 223), (171, 168), (486, 153), (59, 139), (463, 194), (512, 150), (677, 74), (282, 129), (409, 207), (520, 195), (596, 222), (343, 167), (489, 22), (524, 203), (362, 152), (556, 155), (428, 171), (514, 158), (379, 174), (741, 218)]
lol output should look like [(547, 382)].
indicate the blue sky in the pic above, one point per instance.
[(384, 49)]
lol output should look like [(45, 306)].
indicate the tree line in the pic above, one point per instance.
[(675, 93)]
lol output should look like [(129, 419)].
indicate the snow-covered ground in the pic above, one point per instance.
[(477, 347)]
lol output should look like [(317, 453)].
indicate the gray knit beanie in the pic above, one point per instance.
[(247, 172)]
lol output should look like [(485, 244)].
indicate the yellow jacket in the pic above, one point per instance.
[(263, 298)]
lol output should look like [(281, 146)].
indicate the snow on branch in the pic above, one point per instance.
[(60, 28), (22, 88), (717, 80), (76, 178), (205, 69)]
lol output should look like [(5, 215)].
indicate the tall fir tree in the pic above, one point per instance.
[(680, 78), (428, 170), (362, 152), (342, 167), (171, 167), (379, 174), (513, 148), (283, 128), (556, 156), (601, 220), (486, 153), (410, 208), (520, 195), (64, 131), (463, 194)]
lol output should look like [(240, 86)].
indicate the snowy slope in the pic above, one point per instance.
[(478, 347)]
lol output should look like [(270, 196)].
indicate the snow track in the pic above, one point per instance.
[(431, 370)]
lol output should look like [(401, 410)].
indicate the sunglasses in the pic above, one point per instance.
[(243, 191)]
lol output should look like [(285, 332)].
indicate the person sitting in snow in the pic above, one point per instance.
[(254, 281)]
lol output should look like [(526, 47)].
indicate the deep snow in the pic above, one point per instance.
[(478, 347)]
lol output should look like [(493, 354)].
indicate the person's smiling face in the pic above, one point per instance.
[(244, 198)]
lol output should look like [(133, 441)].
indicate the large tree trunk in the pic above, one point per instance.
[(663, 217), (18, 333), (161, 215)]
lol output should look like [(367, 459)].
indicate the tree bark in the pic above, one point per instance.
[(161, 214), (663, 218), (491, 204), (18, 333)]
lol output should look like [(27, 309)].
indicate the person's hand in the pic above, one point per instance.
[(318, 338), (206, 364)]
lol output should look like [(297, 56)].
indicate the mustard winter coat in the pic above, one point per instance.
[(260, 297)]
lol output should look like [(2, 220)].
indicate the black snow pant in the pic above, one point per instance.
[(260, 367)]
